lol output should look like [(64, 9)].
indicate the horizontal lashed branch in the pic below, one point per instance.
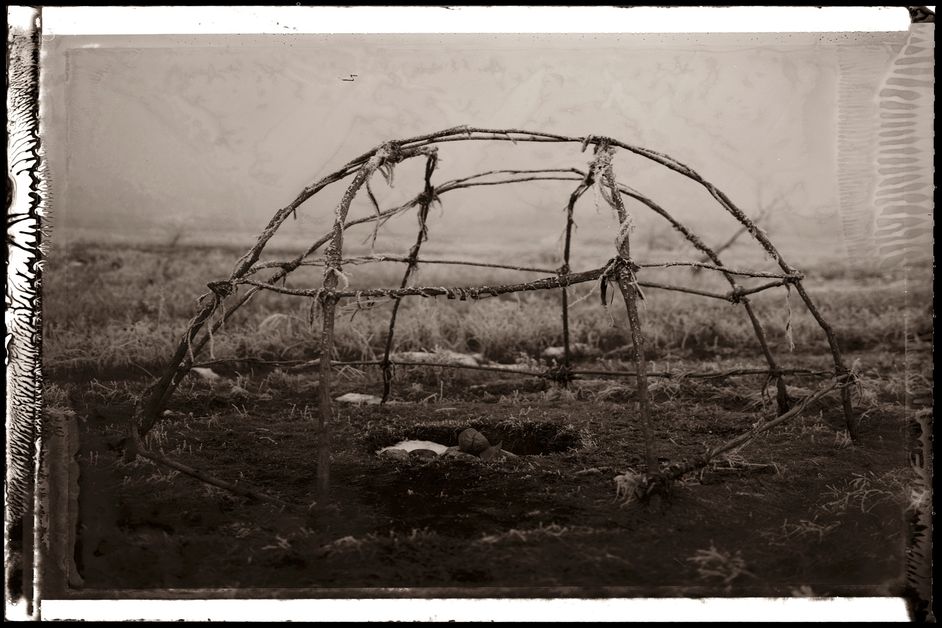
[(549, 373), (423, 260), (385, 257), (452, 365), (464, 293), (707, 374), (469, 184), (724, 269), (513, 172), (738, 294), (684, 289), (301, 364), (740, 372)]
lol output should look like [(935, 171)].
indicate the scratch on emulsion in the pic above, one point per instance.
[(26, 204)]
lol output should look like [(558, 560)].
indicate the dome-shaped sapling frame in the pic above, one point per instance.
[(623, 270)]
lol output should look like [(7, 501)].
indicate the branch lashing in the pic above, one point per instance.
[(624, 269)]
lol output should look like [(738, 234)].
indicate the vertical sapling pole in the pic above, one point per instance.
[(624, 270), (428, 195), (328, 310), (774, 370), (565, 269), (333, 259)]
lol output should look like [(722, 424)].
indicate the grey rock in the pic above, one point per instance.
[(472, 441), (496, 453), (460, 455), (423, 454), (394, 454), (491, 453)]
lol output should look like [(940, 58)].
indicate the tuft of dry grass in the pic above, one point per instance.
[(806, 527), (713, 564), (866, 491)]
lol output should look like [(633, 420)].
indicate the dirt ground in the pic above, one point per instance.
[(799, 511)]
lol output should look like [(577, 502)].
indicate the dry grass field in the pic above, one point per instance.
[(799, 511)]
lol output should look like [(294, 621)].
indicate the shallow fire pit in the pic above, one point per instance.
[(514, 437)]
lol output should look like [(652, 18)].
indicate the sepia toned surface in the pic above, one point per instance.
[(175, 156)]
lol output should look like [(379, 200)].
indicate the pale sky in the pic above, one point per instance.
[(216, 133)]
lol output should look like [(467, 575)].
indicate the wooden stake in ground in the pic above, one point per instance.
[(333, 258), (629, 292), (628, 284), (329, 309)]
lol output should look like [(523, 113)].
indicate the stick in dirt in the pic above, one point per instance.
[(136, 448), (332, 272), (627, 284), (660, 483)]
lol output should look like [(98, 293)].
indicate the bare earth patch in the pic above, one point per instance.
[(797, 508)]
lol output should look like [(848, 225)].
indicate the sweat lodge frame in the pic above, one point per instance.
[(622, 270)]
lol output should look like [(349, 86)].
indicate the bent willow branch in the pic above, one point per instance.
[(248, 276)]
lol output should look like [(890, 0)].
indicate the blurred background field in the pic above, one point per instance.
[(116, 307)]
